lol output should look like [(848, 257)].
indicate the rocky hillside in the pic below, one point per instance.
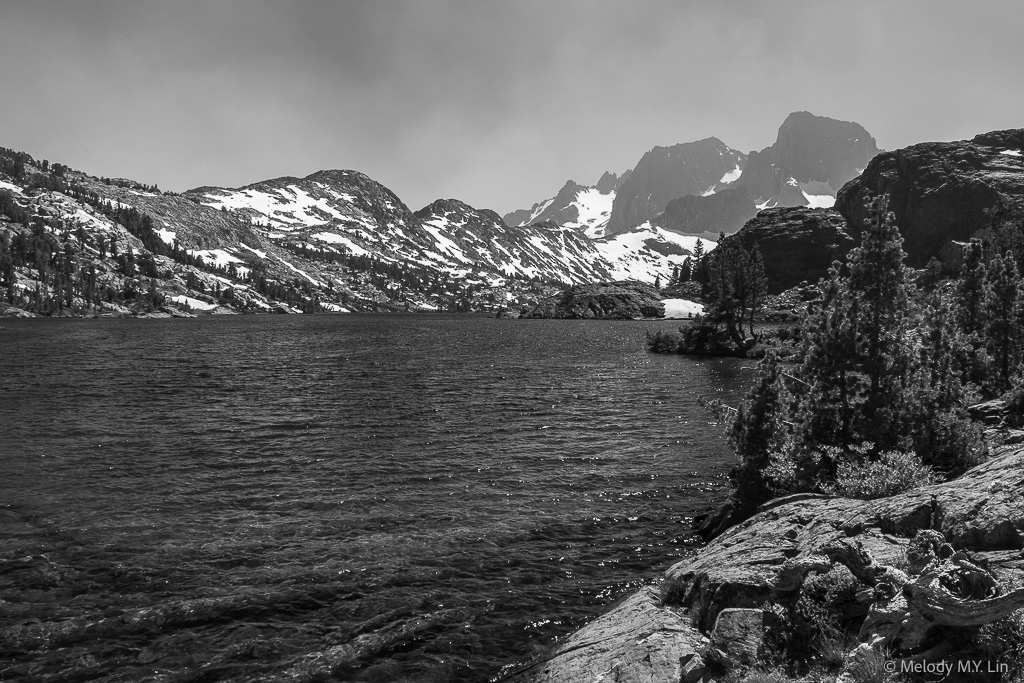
[(942, 194), (723, 211), (606, 301), (71, 243), (798, 243), (942, 191)]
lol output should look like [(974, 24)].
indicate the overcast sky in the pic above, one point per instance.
[(493, 103)]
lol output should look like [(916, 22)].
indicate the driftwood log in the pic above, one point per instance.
[(951, 591)]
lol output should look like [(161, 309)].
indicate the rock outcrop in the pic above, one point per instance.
[(798, 243), (928, 562), (640, 639), (606, 301), (942, 191), (724, 211)]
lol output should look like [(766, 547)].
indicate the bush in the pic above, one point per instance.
[(868, 666), (663, 341), (1002, 643), (893, 472)]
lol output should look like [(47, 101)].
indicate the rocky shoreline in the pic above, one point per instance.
[(923, 569)]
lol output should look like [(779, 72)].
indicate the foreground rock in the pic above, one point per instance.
[(930, 565), (606, 301), (639, 640)]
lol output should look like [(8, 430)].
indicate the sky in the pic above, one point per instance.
[(498, 103)]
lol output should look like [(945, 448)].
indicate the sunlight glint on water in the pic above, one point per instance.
[(486, 485)]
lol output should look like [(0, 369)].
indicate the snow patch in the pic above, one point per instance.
[(335, 238), (819, 201), (194, 304), (261, 254), (732, 175), (1007, 152), (681, 308), (630, 258), (166, 235), (8, 186)]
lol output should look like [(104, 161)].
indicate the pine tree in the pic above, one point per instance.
[(758, 431), (1002, 332), (880, 283), (970, 289)]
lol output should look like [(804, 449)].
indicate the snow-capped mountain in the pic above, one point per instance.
[(706, 187), (587, 209), (334, 240)]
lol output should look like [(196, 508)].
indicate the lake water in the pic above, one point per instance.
[(369, 497)]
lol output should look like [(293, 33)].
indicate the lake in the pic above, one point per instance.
[(418, 497)]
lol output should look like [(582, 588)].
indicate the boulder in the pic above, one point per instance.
[(941, 191), (638, 640), (982, 511), (797, 243), (737, 637)]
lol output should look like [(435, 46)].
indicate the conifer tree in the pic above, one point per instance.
[(1001, 314), (970, 289)]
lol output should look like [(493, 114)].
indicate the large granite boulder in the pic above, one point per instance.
[(942, 191), (626, 300), (639, 640), (982, 511), (798, 244)]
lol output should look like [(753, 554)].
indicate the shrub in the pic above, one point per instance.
[(1002, 643), (663, 341), (893, 472), (868, 666)]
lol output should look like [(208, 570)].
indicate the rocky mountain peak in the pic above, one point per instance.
[(609, 182), (666, 173)]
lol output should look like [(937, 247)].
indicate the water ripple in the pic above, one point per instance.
[(230, 498)]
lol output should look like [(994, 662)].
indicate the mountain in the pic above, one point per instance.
[(666, 173), (335, 240), (941, 194), (575, 206), (706, 187), (723, 211), (813, 156)]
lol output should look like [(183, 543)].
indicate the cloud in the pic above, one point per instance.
[(495, 103)]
